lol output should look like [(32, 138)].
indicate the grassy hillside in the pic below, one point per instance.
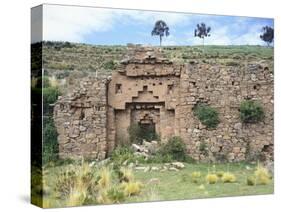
[(69, 56)]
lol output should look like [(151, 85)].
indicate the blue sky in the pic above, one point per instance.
[(119, 27)]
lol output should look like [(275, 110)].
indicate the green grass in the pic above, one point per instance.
[(85, 57), (172, 185), (179, 185)]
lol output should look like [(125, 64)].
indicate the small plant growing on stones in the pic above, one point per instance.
[(207, 115), (251, 112), (228, 177)]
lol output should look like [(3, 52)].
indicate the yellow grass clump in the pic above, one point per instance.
[(251, 181), (195, 177), (262, 175), (126, 175), (228, 177), (104, 178), (131, 188), (211, 178)]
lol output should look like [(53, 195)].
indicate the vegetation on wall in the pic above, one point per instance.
[(251, 111), (207, 115)]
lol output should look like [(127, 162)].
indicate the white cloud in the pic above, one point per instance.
[(252, 37), (219, 36), (228, 35), (67, 23), (73, 23)]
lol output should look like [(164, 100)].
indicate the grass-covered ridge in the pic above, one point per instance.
[(73, 56)]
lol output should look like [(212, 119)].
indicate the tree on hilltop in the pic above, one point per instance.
[(160, 29), (267, 34), (202, 31)]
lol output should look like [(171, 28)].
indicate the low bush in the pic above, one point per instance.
[(125, 175), (251, 181), (211, 178), (131, 188), (262, 175), (122, 154), (111, 65), (228, 177), (195, 177), (116, 195), (251, 112), (175, 148), (207, 115), (104, 178), (50, 143)]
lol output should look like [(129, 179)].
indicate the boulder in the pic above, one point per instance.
[(178, 165)]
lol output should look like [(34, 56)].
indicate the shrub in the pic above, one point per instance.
[(115, 195), (125, 175), (207, 115), (43, 82), (104, 178), (111, 65), (50, 96), (195, 177), (228, 177), (122, 154), (131, 188), (175, 148), (211, 178), (251, 112), (160, 158), (50, 143), (251, 181), (262, 175)]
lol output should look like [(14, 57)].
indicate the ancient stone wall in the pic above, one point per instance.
[(224, 88), (81, 120), (149, 89)]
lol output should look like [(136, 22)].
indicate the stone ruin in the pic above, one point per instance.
[(150, 90)]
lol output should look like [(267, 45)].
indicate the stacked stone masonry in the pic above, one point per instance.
[(149, 89)]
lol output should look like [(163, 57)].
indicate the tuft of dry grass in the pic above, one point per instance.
[(228, 177), (131, 188), (262, 175), (211, 178)]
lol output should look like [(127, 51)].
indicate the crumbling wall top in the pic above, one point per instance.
[(138, 54)]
